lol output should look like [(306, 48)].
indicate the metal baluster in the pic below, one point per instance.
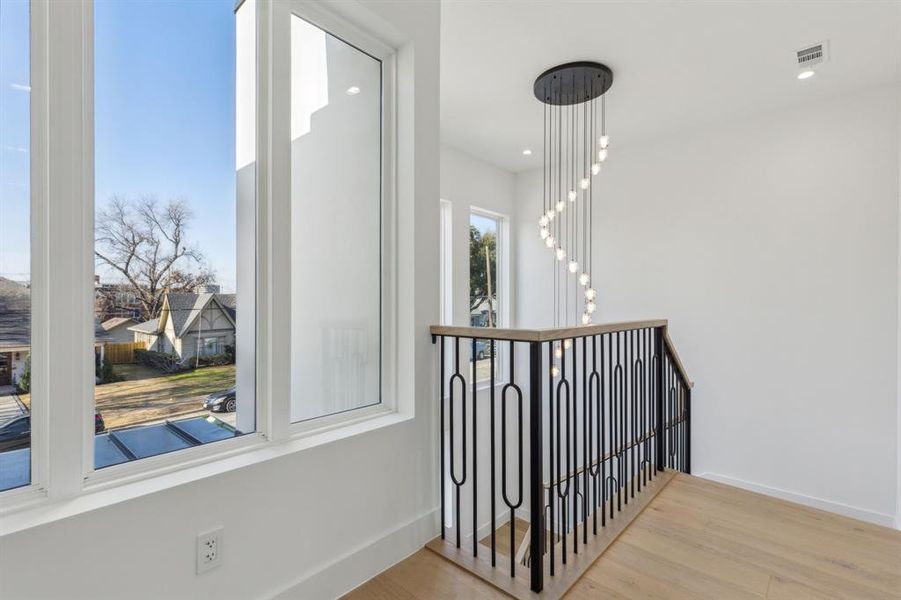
[(510, 504), (475, 456), (659, 433), (586, 463), (631, 424), (687, 428), (536, 465), (441, 430), (594, 428), (457, 481), (552, 496), (563, 496), (601, 445), (621, 421), (494, 458)]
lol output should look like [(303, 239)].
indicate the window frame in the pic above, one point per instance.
[(339, 27)]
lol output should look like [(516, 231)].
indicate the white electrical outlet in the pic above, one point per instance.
[(209, 550)]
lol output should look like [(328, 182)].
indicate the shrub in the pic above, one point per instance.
[(105, 374), (23, 384), (215, 360), (161, 361)]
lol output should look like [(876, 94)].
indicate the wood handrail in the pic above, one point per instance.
[(562, 333), (542, 335), (674, 355)]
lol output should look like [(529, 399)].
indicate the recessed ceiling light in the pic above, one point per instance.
[(353, 90), (806, 74), (527, 152)]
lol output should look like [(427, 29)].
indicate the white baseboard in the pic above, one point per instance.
[(358, 566), (854, 512)]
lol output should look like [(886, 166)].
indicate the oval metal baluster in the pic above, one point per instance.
[(563, 493), (458, 481), (510, 503)]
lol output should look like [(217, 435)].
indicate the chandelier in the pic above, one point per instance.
[(575, 147)]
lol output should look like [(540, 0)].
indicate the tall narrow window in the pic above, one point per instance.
[(483, 286), (174, 167), (15, 246), (336, 207)]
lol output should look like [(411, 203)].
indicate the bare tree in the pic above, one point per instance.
[(145, 243)]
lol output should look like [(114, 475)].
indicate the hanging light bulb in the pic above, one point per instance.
[(604, 141), (573, 266), (567, 344), (543, 221), (572, 195), (584, 183), (595, 168), (560, 205), (558, 351), (550, 241), (586, 318), (561, 253), (584, 279), (590, 307), (543, 232), (602, 154), (550, 214), (590, 294), (555, 372)]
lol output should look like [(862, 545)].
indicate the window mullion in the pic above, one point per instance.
[(275, 248), (66, 269)]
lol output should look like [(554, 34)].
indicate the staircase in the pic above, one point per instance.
[(560, 443)]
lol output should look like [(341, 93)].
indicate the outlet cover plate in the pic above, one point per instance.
[(209, 550)]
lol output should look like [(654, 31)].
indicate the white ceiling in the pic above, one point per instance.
[(676, 65)]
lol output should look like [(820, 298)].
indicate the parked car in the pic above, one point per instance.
[(221, 401), (16, 433), (483, 350)]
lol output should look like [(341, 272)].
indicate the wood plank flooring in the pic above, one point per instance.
[(699, 539)]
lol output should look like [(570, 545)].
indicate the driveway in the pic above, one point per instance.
[(10, 407)]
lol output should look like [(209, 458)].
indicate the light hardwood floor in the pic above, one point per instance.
[(700, 539)]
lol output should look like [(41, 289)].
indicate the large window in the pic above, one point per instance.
[(336, 207), (172, 171), (15, 247), (198, 236)]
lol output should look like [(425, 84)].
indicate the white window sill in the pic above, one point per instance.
[(31, 507)]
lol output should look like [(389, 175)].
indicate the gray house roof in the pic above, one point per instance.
[(183, 308), (116, 322), (151, 326), (15, 316)]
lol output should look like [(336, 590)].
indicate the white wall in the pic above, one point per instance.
[(468, 182), (315, 523), (771, 244)]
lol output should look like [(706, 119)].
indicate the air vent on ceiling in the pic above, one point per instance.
[(813, 55)]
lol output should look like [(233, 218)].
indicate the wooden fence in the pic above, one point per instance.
[(123, 353)]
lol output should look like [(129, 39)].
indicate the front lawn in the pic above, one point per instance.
[(147, 395)]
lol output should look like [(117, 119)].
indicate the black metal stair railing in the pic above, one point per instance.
[(607, 409)]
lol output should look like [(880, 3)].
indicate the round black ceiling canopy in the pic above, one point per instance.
[(573, 83)]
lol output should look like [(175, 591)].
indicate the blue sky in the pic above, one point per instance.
[(164, 117)]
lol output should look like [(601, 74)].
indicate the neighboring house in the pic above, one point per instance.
[(15, 331), (118, 330), (190, 325), (478, 316)]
